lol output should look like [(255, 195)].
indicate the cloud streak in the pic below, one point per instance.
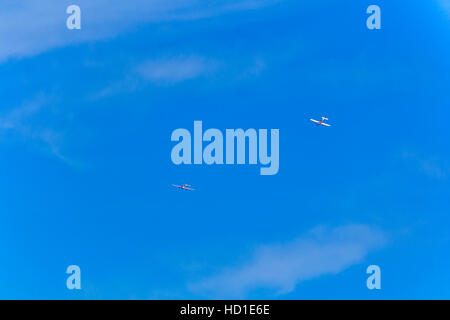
[(281, 267), (31, 27), (21, 121), (162, 71), (175, 70), (431, 166)]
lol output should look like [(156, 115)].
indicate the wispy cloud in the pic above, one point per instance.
[(446, 5), (31, 27), (162, 71), (281, 267), (20, 121), (430, 165), (175, 69), (14, 119)]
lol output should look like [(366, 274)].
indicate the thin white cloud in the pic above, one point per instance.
[(20, 121), (281, 267), (430, 165), (17, 117), (162, 71), (31, 27), (13, 120), (446, 5), (175, 69)]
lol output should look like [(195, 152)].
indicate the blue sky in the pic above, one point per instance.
[(85, 169)]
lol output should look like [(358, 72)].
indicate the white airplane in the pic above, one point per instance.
[(321, 122), (184, 187)]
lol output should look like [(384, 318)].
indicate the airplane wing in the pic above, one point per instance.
[(326, 124), (189, 189), (315, 121)]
